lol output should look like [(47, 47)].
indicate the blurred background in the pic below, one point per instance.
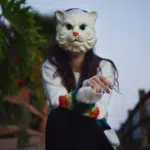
[(27, 32)]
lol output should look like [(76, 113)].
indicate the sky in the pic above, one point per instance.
[(123, 33)]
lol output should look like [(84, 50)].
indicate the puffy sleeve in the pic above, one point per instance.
[(107, 71), (101, 100), (56, 93), (52, 85)]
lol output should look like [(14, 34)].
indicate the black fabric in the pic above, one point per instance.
[(81, 108), (67, 130)]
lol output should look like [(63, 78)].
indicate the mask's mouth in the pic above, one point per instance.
[(75, 40)]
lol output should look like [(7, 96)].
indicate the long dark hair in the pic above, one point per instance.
[(60, 58)]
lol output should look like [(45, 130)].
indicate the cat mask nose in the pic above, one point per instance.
[(75, 34)]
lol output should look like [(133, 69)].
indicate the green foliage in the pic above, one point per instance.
[(36, 84), (25, 38), (20, 39), (24, 122), (48, 26)]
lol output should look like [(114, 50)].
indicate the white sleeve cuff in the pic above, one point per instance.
[(85, 82), (86, 95)]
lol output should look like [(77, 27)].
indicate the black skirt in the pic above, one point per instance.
[(68, 130)]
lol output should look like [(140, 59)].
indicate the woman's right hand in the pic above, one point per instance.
[(100, 84)]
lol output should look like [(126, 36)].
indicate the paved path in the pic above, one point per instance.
[(11, 144)]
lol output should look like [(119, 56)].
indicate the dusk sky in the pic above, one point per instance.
[(123, 32)]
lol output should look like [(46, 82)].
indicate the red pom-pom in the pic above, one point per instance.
[(21, 82), (35, 68), (63, 102), (16, 60), (95, 113)]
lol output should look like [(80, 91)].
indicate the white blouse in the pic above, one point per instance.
[(54, 88)]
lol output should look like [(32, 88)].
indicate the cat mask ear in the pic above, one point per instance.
[(59, 15), (93, 15)]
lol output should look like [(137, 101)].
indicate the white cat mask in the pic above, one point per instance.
[(75, 31)]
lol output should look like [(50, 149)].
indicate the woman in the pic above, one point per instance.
[(78, 85)]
